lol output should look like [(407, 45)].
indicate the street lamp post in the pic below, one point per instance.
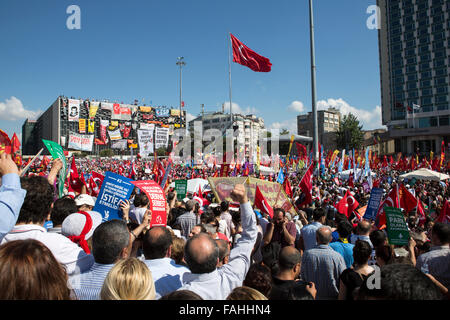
[(181, 63)]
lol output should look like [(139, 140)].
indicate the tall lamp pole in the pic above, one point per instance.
[(181, 63), (313, 84)]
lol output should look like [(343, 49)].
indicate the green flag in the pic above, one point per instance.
[(57, 152), (397, 229)]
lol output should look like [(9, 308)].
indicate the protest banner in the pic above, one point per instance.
[(157, 200), (181, 189), (115, 188), (74, 110), (80, 141), (82, 125), (145, 141), (119, 144), (161, 137), (272, 191), (374, 203), (115, 134), (397, 229), (57, 152)]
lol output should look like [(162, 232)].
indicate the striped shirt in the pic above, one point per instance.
[(323, 266), (187, 221), (87, 286)]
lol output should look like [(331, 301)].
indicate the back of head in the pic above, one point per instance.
[(61, 209), (177, 252), (29, 271), (129, 279), (270, 254), (442, 232), (38, 200), (181, 295), (140, 200), (401, 282), (245, 293), (108, 241), (361, 252), (363, 228), (289, 258), (323, 235), (378, 238), (344, 228), (224, 205), (201, 254), (224, 249), (318, 214), (259, 277), (156, 242), (190, 205)]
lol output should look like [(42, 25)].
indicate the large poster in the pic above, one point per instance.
[(125, 112), (145, 140), (119, 144), (103, 125), (147, 126), (157, 201), (272, 191), (74, 110), (107, 106), (81, 142), (115, 134), (161, 137), (93, 109), (82, 125), (116, 112), (115, 188)]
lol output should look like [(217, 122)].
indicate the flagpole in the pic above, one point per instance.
[(313, 85), (229, 78)]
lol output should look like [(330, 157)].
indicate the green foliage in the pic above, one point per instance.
[(349, 134), (106, 153)]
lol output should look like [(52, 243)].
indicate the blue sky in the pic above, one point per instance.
[(127, 50)]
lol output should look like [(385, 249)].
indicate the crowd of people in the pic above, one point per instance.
[(220, 251)]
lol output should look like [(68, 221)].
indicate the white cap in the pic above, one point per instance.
[(84, 199), (74, 223)]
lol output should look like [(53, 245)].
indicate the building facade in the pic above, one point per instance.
[(328, 123), (55, 124), (414, 53)]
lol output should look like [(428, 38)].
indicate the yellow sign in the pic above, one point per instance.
[(145, 109), (175, 112)]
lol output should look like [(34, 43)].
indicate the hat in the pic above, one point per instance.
[(84, 199), (80, 226)]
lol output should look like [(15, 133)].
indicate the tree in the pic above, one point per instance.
[(106, 153), (349, 135), (284, 131)]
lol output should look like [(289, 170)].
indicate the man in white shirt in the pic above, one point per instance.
[(202, 257), (30, 225)]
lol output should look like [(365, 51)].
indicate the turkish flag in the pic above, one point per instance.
[(306, 185), (390, 201), (97, 180), (15, 144), (262, 204), (5, 142), (75, 182), (407, 200), (347, 204), (288, 188), (249, 58)]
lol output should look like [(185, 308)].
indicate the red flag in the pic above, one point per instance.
[(98, 179), (347, 204), (407, 199), (75, 183), (421, 213), (15, 144), (288, 188), (390, 201), (306, 185), (261, 203), (5, 143), (249, 58), (444, 215), (301, 150)]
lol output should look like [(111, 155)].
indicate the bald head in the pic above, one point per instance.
[(156, 243), (289, 257), (323, 235), (201, 253), (363, 228)]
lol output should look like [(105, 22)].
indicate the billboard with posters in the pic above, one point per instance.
[(157, 200), (274, 193)]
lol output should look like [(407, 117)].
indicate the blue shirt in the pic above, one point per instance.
[(345, 250), (166, 274), (11, 199), (308, 233), (87, 286)]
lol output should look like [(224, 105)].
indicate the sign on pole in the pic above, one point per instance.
[(397, 229), (115, 188), (157, 200), (181, 189), (374, 203)]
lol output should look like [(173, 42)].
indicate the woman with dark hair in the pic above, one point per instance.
[(29, 271), (353, 277), (259, 277)]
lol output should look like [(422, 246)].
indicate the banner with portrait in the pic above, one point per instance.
[(74, 110)]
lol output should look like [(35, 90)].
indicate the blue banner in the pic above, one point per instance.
[(374, 203), (280, 178), (115, 188)]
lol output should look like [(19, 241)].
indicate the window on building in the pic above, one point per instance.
[(443, 121)]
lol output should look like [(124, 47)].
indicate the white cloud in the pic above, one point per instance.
[(296, 106), (189, 117), (370, 119), (238, 109), (290, 125), (12, 109)]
